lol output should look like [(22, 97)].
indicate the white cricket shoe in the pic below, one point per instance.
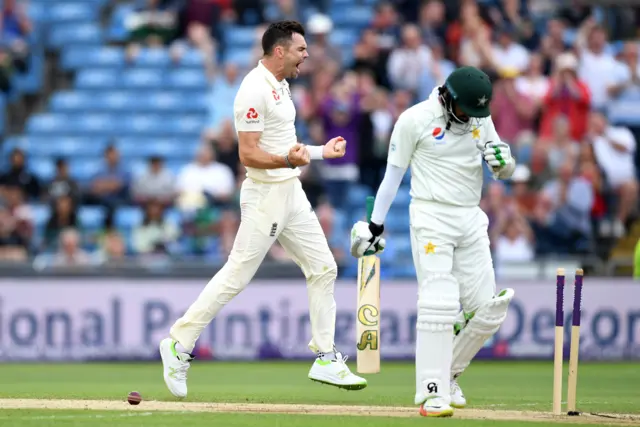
[(175, 365), (334, 371), (436, 407), (457, 397)]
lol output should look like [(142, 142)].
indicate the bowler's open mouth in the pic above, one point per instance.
[(298, 65)]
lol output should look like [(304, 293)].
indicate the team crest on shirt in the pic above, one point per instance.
[(438, 135)]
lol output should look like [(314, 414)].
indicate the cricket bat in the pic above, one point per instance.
[(368, 313)]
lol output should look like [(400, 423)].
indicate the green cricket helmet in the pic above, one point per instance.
[(471, 90)]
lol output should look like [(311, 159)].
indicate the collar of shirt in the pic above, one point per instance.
[(275, 84)]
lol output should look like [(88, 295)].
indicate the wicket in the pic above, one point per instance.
[(559, 344)]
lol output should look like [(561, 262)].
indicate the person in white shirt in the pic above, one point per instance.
[(408, 62), (445, 139), (205, 176), (598, 68), (614, 148), (273, 207), (507, 54)]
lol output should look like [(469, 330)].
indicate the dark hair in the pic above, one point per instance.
[(280, 33)]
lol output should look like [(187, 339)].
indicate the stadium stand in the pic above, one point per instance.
[(134, 99)]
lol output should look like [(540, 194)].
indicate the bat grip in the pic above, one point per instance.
[(370, 202)]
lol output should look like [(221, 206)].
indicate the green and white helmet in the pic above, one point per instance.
[(470, 89)]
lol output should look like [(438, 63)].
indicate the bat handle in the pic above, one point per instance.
[(370, 202)]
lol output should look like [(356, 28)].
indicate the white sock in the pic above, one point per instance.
[(327, 356)]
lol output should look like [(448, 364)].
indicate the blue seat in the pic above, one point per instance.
[(165, 101), (187, 79), (170, 148), (41, 214), (91, 217), (152, 58), (116, 30), (185, 126), (343, 37), (403, 198), (117, 101), (91, 57), (97, 79), (66, 146), (47, 123), (71, 12), (70, 101), (85, 33), (84, 169), (93, 123), (142, 79), (351, 16), (42, 167), (239, 37), (397, 223), (128, 217), (242, 57), (192, 58)]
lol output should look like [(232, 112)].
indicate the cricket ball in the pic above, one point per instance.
[(134, 398)]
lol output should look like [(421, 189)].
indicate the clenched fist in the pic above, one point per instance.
[(298, 155), (334, 148)]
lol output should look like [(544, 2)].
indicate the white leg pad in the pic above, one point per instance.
[(483, 325), (438, 305)]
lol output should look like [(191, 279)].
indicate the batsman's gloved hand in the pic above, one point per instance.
[(366, 239), (496, 154)]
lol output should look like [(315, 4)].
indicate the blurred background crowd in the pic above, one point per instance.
[(120, 142)]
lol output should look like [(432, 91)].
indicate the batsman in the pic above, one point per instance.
[(445, 139)]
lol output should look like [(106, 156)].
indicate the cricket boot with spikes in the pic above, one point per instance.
[(436, 407), (331, 368), (457, 397), (176, 364)]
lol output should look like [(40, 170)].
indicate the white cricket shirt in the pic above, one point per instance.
[(264, 104), (445, 167)]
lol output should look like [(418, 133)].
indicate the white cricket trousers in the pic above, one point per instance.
[(270, 211)]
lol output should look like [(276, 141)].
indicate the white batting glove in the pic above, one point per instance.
[(363, 240), (496, 154)]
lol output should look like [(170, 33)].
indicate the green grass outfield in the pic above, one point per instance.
[(494, 391)]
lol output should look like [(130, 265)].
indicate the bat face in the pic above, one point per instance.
[(368, 315)]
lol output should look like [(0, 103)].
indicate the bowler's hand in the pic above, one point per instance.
[(366, 239), (299, 155), (334, 148)]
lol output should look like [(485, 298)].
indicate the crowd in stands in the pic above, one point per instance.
[(556, 68), (14, 47)]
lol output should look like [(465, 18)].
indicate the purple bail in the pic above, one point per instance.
[(577, 301), (560, 300)]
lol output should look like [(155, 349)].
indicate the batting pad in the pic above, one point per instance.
[(485, 323), (438, 306)]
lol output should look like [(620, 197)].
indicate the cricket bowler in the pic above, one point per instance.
[(445, 139), (273, 207)]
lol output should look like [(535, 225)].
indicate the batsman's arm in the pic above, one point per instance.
[(401, 148)]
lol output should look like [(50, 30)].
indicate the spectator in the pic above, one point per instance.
[(507, 54), (18, 175), (562, 219), (64, 215), (226, 146), (249, 12), (553, 44), (341, 116), (514, 239), (110, 186), (311, 174), (16, 226), (205, 177), (407, 62), (113, 250), (370, 57), (511, 111), (470, 38), (386, 25), (567, 95), (285, 10), (561, 147), (14, 44), (515, 15), (597, 65), (199, 28), (156, 183), (435, 74), (627, 77), (70, 253), (153, 24), (63, 185), (533, 84), (432, 23), (524, 197), (321, 50), (222, 95), (614, 148), (155, 234)]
